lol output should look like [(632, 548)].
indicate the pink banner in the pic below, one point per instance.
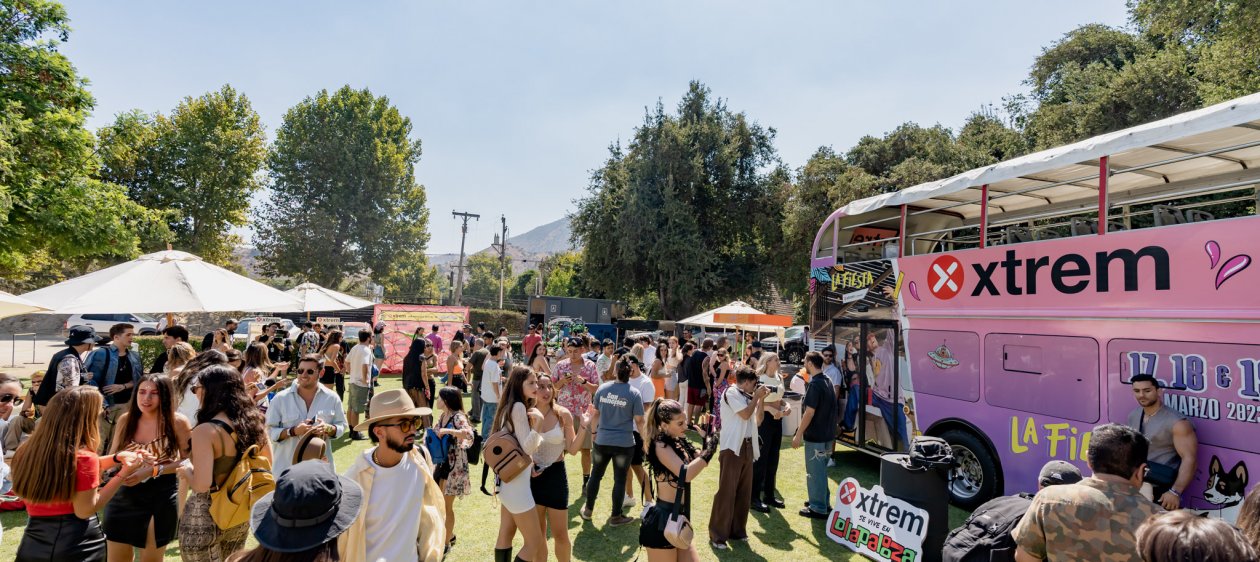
[(401, 322)]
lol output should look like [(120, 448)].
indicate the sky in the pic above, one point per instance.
[(515, 103)]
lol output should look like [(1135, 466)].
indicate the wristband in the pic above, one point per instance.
[(116, 461), (1175, 492), (157, 469)]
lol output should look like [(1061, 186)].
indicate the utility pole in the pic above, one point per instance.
[(500, 244), (459, 282)]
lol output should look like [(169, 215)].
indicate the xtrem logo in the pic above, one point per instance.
[(841, 279), (1073, 273)]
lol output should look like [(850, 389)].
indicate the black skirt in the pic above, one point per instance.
[(127, 516), (329, 376), (652, 530), (62, 538), (551, 488)]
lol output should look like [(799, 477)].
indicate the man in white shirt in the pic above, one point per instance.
[(742, 410), (403, 517), (359, 364), (640, 381), (491, 373), (301, 408)]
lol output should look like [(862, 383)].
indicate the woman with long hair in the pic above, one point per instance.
[(235, 359), (550, 482), (188, 401), (766, 467), (56, 472), (673, 360), (334, 377), (144, 513), (455, 365), (723, 375), (517, 413), (1249, 517), (227, 424), (669, 451), (413, 373), (222, 341), (655, 366), (258, 369), (177, 357), (537, 359), (454, 474)]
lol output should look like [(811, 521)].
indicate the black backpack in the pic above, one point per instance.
[(986, 535)]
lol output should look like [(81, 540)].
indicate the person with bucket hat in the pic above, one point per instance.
[(65, 370), (310, 507), (403, 516)]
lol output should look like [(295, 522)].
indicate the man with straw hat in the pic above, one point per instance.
[(404, 511)]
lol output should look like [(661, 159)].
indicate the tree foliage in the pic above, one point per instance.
[(202, 163), (481, 277), (343, 196), (688, 211), (1222, 38), (563, 276), (55, 215)]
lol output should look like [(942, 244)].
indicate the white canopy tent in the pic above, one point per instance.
[(705, 319), (13, 305), (163, 282), (317, 298)]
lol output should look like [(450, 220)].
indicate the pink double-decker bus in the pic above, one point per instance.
[(1006, 308)]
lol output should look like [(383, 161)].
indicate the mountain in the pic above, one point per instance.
[(523, 249)]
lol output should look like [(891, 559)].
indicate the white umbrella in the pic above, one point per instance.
[(161, 282), (315, 298), (13, 305), (705, 318)]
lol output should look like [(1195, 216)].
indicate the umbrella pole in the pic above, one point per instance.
[(170, 319)]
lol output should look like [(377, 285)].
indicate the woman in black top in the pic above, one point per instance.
[(668, 451), (413, 372)]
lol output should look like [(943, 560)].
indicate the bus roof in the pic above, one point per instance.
[(1214, 140)]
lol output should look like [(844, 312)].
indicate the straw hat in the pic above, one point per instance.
[(392, 404)]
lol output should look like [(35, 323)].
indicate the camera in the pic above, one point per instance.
[(773, 388)]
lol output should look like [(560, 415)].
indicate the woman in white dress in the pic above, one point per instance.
[(516, 499)]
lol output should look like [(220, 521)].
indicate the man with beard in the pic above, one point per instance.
[(301, 408), (403, 516), (1173, 443)]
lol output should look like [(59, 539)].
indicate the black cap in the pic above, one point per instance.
[(310, 506), (756, 344), (80, 335)]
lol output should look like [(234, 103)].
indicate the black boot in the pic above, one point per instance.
[(503, 554)]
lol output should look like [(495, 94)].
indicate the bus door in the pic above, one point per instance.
[(872, 415)]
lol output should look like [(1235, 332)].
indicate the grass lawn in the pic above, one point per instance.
[(781, 535)]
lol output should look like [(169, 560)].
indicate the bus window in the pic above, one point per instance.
[(945, 363), (1065, 383), (826, 244)]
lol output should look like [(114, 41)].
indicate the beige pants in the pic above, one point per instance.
[(108, 417)]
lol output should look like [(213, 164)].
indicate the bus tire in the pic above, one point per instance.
[(974, 478)]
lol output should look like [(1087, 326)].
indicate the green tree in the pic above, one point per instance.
[(54, 214), (687, 212), (1223, 38), (202, 163), (825, 183), (525, 285), (481, 277), (343, 196), (564, 276)]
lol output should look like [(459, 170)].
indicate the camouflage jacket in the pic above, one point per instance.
[(1090, 520)]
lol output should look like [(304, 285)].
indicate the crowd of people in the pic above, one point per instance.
[(155, 451)]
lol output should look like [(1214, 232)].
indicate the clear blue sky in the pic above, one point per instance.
[(515, 102)]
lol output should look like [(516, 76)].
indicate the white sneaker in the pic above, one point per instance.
[(628, 502), (648, 504)]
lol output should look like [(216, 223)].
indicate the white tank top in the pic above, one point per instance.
[(552, 447)]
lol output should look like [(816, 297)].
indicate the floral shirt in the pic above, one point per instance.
[(573, 395)]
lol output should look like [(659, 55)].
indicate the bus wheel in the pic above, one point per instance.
[(973, 480)]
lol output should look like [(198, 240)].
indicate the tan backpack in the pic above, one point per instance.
[(250, 479)]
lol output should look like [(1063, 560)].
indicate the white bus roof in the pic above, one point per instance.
[(1207, 142)]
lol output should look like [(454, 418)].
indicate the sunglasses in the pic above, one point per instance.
[(5, 399), (405, 426), (307, 371)]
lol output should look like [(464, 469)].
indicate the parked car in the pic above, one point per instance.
[(242, 329), (145, 325), (792, 349)]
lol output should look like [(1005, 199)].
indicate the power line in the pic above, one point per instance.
[(459, 283)]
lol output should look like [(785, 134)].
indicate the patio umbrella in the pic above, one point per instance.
[(13, 305), (705, 319), (314, 297), (163, 282)]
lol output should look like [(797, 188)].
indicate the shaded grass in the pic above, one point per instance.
[(781, 535)]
